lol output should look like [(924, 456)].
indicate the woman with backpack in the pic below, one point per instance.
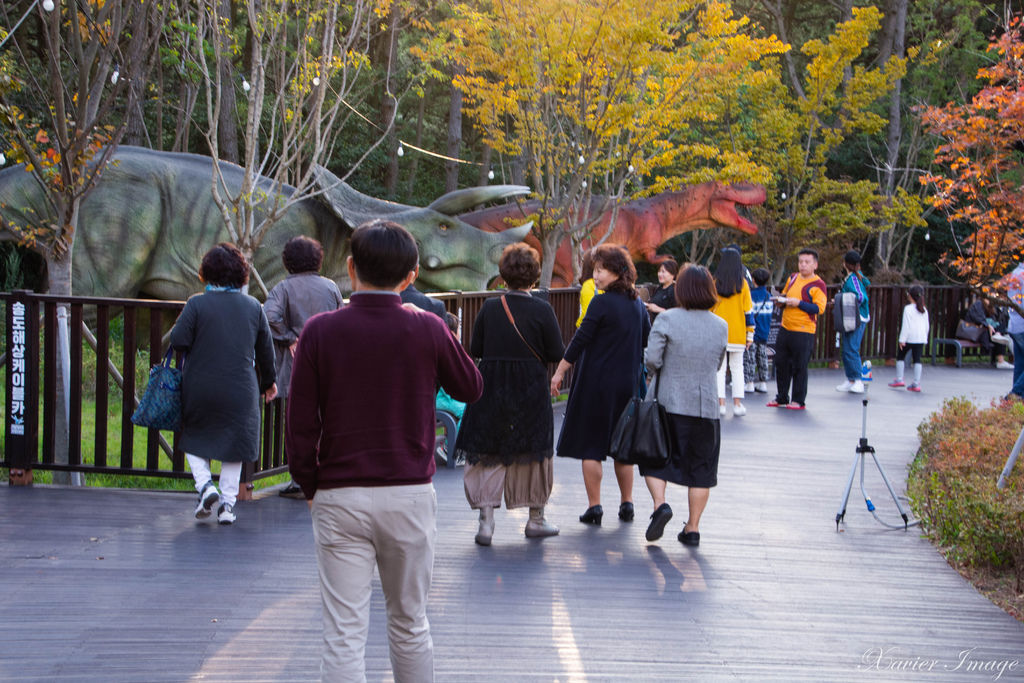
[(856, 284)]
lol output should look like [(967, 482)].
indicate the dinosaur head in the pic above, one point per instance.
[(453, 254), (725, 198)]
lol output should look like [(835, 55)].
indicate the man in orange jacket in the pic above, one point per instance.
[(803, 300)]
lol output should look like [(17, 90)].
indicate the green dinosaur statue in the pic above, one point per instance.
[(146, 225)]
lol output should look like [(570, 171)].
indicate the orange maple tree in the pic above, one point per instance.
[(980, 178)]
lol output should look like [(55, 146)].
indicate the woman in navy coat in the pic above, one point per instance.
[(607, 352)]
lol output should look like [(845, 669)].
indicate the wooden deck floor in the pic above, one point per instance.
[(125, 586)]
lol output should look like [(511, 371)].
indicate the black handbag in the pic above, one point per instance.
[(968, 331), (641, 434)]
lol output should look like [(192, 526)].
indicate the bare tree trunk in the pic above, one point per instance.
[(485, 166), (550, 243), (227, 124), (58, 271), (414, 164), (894, 133), (451, 168)]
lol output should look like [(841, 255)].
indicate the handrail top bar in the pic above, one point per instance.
[(160, 303)]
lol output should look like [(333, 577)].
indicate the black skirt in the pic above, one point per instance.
[(694, 460)]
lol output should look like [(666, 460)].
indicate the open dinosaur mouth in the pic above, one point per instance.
[(726, 212)]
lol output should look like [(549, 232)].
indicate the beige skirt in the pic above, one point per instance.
[(523, 484)]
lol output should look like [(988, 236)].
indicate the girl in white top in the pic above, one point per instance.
[(913, 336)]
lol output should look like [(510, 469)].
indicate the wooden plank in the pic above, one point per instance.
[(124, 585)]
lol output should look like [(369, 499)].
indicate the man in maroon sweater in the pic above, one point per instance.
[(360, 444)]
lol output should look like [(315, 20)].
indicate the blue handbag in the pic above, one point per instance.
[(160, 407)]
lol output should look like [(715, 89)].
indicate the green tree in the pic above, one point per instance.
[(302, 62), (590, 97), (797, 132), (64, 91)]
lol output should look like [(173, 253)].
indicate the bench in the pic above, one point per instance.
[(958, 344)]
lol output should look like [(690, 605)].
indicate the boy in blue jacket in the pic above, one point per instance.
[(755, 358)]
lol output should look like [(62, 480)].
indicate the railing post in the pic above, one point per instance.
[(22, 384)]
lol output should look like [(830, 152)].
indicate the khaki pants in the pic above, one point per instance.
[(524, 485), (392, 528)]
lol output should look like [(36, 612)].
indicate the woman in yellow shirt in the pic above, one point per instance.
[(736, 308)]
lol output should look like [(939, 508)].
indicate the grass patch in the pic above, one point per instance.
[(952, 487)]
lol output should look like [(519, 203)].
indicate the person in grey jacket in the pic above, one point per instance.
[(229, 363), (296, 299), (686, 347), (292, 302)]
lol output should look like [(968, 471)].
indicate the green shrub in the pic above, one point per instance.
[(952, 484)]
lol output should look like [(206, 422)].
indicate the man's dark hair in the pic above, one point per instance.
[(519, 266), (452, 322), (616, 259), (809, 251), (761, 276), (224, 266), (302, 255), (383, 253), (695, 288)]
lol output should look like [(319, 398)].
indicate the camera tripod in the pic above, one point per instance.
[(863, 448)]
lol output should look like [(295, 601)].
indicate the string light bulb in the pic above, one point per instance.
[(245, 85), (582, 160), (927, 235), (631, 169), (490, 175), (401, 150), (48, 5), (115, 76), (584, 185), (316, 80), (3, 159)]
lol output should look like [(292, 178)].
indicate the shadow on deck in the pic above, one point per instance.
[(113, 585)]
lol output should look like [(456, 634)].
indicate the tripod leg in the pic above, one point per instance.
[(895, 498), (849, 485)]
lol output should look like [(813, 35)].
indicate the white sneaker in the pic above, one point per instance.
[(761, 387), (721, 410), (748, 388), (845, 386), (1001, 338), (1003, 365), (208, 497), (857, 388), (226, 514), (739, 410)]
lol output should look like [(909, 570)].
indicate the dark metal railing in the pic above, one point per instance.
[(139, 328)]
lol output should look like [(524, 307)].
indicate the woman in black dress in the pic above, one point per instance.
[(664, 297), (606, 352), (506, 437)]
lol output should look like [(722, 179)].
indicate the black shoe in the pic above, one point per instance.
[(689, 537), (626, 512), (659, 518), (292, 491), (593, 515)]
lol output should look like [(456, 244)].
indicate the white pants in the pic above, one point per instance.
[(230, 473), (735, 361), (392, 528)]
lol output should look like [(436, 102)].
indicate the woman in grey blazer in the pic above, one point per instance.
[(686, 346)]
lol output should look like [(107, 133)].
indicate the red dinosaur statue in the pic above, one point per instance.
[(642, 225)]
